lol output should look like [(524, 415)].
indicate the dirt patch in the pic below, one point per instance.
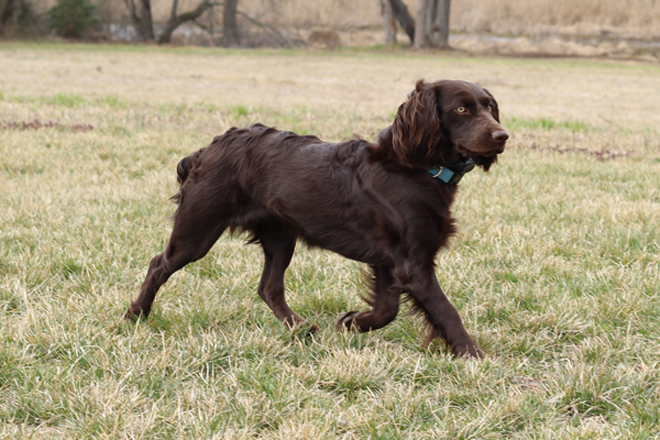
[(601, 155), (36, 124)]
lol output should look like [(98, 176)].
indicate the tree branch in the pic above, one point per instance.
[(176, 20), (175, 5), (403, 17), (131, 9), (202, 27)]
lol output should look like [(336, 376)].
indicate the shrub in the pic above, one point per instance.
[(71, 18)]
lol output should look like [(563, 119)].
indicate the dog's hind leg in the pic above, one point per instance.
[(278, 244), (195, 231), (384, 302)]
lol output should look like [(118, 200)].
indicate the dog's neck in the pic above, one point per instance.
[(450, 172), (453, 172)]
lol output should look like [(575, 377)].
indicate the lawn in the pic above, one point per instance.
[(555, 270)]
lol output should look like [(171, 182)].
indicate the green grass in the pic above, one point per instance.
[(555, 270), (547, 124)]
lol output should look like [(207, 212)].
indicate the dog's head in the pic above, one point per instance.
[(446, 120)]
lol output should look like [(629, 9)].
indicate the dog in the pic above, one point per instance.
[(386, 204)]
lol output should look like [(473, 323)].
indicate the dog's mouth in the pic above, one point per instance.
[(484, 145), (463, 151)]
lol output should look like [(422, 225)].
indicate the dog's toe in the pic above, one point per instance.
[(303, 329), (135, 314), (130, 316), (313, 328), (469, 351)]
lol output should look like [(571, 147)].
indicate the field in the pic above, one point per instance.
[(555, 270)]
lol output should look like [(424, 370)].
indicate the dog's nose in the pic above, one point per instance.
[(500, 136)]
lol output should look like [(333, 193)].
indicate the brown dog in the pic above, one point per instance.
[(385, 204)]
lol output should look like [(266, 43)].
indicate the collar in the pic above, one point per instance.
[(454, 171)]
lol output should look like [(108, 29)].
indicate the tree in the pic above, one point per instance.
[(176, 20), (6, 12), (229, 26), (431, 29), (144, 22), (432, 25), (402, 15), (16, 14), (389, 21)]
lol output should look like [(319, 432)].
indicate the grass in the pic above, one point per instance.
[(555, 270), (516, 124)]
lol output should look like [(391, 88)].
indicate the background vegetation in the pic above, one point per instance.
[(540, 27), (555, 269)]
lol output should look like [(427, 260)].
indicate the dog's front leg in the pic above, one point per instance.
[(443, 318)]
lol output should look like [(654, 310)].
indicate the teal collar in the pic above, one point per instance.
[(454, 172)]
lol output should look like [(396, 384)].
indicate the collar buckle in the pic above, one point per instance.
[(454, 172)]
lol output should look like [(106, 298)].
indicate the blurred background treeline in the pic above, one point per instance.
[(617, 28)]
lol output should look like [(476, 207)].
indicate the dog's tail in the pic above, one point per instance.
[(182, 173), (183, 169)]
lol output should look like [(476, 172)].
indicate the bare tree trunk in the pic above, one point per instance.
[(439, 34), (145, 26), (7, 12), (389, 21), (421, 24), (402, 15), (229, 26), (176, 20), (432, 26), (16, 14)]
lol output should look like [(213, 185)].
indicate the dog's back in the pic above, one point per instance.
[(241, 150)]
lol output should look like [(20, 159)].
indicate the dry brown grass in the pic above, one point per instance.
[(603, 95), (555, 270)]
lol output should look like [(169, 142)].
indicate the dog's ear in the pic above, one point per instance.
[(417, 136), (496, 109)]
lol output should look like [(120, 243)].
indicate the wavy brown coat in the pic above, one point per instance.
[(371, 202)]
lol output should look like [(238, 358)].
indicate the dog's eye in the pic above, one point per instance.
[(490, 108), (461, 109)]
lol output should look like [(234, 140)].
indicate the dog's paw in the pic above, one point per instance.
[(347, 321), (468, 351), (135, 314), (303, 330), (311, 329)]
